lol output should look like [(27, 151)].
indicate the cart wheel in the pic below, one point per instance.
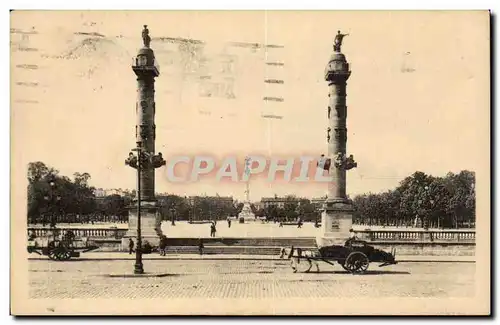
[(52, 254), (51, 250), (59, 254), (63, 254), (344, 267), (356, 262)]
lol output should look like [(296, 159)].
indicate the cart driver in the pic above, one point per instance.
[(352, 237)]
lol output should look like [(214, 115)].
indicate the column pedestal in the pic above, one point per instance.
[(150, 224), (336, 221)]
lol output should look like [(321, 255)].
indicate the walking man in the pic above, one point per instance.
[(213, 230), (163, 245), (200, 246), (130, 246)]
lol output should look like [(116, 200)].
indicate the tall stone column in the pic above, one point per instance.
[(337, 214), (146, 69)]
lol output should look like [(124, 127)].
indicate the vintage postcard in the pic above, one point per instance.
[(250, 162)]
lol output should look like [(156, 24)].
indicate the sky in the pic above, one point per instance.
[(418, 95)]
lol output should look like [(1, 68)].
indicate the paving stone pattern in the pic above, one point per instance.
[(246, 279)]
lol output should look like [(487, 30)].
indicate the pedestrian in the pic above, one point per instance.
[(228, 222), (146, 248), (32, 235), (213, 230), (200, 246), (163, 245), (130, 246), (352, 237)]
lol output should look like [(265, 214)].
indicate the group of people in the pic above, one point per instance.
[(147, 248), (300, 223)]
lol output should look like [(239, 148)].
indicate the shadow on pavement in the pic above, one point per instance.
[(366, 273)]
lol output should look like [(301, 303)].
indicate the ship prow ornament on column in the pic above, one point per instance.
[(145, 161), (337, 215)]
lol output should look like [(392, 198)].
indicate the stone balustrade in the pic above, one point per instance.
[(94, 233), (375, 236), (448, 235)]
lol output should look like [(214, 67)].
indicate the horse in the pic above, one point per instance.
[(295, 254)]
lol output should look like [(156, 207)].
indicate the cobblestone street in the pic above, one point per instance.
[(246, 279)]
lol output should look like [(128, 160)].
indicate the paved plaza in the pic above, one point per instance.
[(246, 279)]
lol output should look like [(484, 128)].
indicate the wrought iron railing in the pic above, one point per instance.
[(136, 62)]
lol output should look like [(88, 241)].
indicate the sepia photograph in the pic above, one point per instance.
[(263, 163)]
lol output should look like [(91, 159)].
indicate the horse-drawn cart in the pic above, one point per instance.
[(60, 249), (355, 256)]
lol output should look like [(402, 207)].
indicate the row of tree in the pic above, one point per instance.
[(52, 197), (293, 208), (198, 208), (56, 198), (419, 200), (422, 200)]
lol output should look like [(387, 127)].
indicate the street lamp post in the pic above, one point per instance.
[(426, 216), (138, 267), (50, 201)]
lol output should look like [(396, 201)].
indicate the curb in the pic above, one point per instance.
[(83, 259), (167, 259)]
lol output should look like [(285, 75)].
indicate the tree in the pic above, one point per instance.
[(413, 192), (435, 202), (307, 211), (470, 205), (57, 196), (260, 213), (271, 212), (438, 201), (461, 187), (38, 171), (290, 207), (178, 203), (81, 179)]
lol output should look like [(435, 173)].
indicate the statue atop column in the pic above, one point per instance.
[(337, 43), (145, 36)]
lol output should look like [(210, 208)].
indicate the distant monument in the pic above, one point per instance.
[(246, 212), (336, 219)]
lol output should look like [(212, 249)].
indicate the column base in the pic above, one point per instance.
[(150, 225), (336, 221)]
